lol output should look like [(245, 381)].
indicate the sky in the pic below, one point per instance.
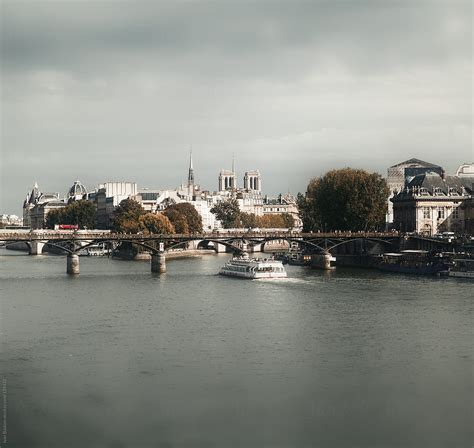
[(120, 91)]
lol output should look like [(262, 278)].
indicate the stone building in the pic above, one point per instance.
[(283, 204), (468, 209), (252, 181), (430, 204), (399, 175), (37, 205)]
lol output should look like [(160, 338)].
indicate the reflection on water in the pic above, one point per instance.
[(120, 357)]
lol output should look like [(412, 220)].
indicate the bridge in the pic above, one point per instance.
[(71, 242)]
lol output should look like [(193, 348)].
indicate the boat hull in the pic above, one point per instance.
[(251, 276), (460, 274), (419, 270)]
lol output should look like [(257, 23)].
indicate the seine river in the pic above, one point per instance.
[(118, 357)]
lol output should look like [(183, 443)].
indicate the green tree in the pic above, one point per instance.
[(54, 217), (346, 199), (227, 212), (156, 223), (127, 215), (81, 213), (190, 220)]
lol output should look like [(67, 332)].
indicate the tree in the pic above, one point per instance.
[(227, 212), (126, 216), (249, 220), (178, 220), (55, 216), (156, 223), (346, 199), (288, 220), (81, 213), (184, 217)]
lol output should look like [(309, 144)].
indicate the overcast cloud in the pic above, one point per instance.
[(106, 90)]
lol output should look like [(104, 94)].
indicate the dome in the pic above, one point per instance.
[(77, 191), (466, 169)]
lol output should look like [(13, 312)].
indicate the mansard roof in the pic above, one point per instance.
[(434, 180), (431, 184), (416, 162)]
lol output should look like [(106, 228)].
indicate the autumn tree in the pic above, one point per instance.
[(127, 215), (345, 199), (248, 220), (184, 217), (156, 223), (81, 213), (227, 212)]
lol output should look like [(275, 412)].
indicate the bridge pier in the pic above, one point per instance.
[(72, 264), (36, 247), (322, 261), (158, 262)]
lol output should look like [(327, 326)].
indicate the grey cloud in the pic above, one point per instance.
[(119, 90)]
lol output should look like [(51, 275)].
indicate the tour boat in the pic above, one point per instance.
[(251, 268), (419, 262), (462, 267)]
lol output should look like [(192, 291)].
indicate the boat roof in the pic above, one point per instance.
[(414, 251)]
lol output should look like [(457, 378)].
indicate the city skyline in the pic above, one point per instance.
[(97, 93)]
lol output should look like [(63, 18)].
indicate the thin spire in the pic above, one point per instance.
[(233, 163), (191, 169)]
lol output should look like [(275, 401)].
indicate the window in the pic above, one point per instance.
[(441, 213), (426, 213), (455, 214)]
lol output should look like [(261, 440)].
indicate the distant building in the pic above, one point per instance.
[(227, 180), (283, 204), (252, 181), (399, 175), (108, 196), (37, 205), (10, 220), (468, 208), (77, 192), (466, 169), (431, 203)]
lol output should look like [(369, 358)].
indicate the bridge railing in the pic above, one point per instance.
[(58, 235)]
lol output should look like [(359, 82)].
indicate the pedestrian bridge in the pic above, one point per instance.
[(71, 242)]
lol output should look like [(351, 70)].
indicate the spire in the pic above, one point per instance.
[(191, 170), (233, 163)]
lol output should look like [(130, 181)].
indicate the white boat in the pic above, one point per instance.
[(462, 267), (95, 250), (246, 267)]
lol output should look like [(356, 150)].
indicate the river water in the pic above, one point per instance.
[(120, 357)]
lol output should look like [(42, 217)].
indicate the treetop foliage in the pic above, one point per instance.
[(227, 212), (81, 213), (126, 216), (345, 199), (184, 217)]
